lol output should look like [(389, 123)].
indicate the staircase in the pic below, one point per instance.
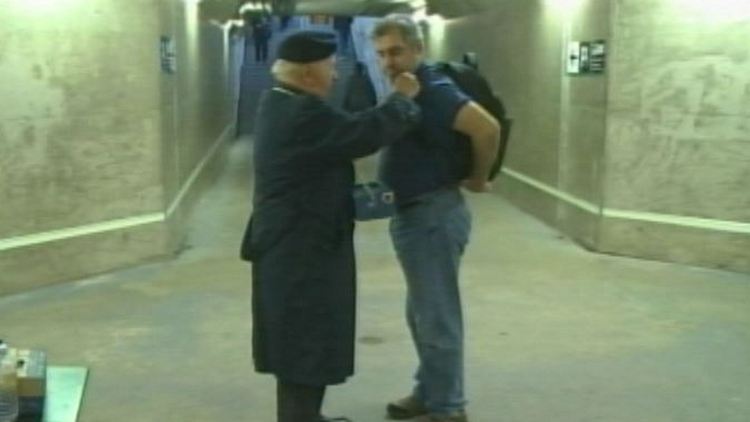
[(256, 77)]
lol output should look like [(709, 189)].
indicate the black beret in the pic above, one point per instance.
[(307, 46)]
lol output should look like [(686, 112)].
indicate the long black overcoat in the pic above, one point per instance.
[(299, 238)]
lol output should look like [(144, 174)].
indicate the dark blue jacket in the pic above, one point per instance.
[(433, 156)]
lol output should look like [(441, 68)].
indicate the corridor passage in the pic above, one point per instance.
[(555, 333)]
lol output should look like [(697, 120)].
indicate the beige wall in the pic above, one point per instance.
[(617, 161), (583, 128), (518, 52), (678, 142), (196, 111), (91, 133), (559, 128)]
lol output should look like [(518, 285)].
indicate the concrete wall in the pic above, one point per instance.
[(583, 110), (95, 143), (560, 121), (647, 160), (678, 143), (196, 111), (520, 53)]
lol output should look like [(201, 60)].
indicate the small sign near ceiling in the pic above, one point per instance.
[(586, 57)]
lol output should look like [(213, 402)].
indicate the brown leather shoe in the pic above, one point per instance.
[(456, 417), (406, 408)]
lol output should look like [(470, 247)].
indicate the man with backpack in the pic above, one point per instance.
[(455, 146)]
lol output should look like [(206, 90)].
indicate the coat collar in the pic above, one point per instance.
[(288, 89)]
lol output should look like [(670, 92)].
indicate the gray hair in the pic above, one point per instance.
[(404, 25)]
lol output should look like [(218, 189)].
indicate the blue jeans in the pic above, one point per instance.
[(430, 237)]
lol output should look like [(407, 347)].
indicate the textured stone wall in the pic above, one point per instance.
[(649, 159), (95, 142), (678, 142)]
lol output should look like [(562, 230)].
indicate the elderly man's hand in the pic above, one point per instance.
[(407, 84)]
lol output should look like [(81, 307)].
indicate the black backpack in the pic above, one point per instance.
[(472, 83)]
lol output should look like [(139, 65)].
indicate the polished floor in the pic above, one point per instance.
[(555, 333)]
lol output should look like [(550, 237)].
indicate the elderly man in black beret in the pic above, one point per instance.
[(299, 238)]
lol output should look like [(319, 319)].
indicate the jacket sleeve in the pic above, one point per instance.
[(351, 136)]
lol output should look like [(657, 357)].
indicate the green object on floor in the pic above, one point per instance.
[(65, 387)]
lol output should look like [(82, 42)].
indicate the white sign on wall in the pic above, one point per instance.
[(586, 57), (574, 57)]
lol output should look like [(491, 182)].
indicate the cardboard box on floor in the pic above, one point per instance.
[(31, 382)]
